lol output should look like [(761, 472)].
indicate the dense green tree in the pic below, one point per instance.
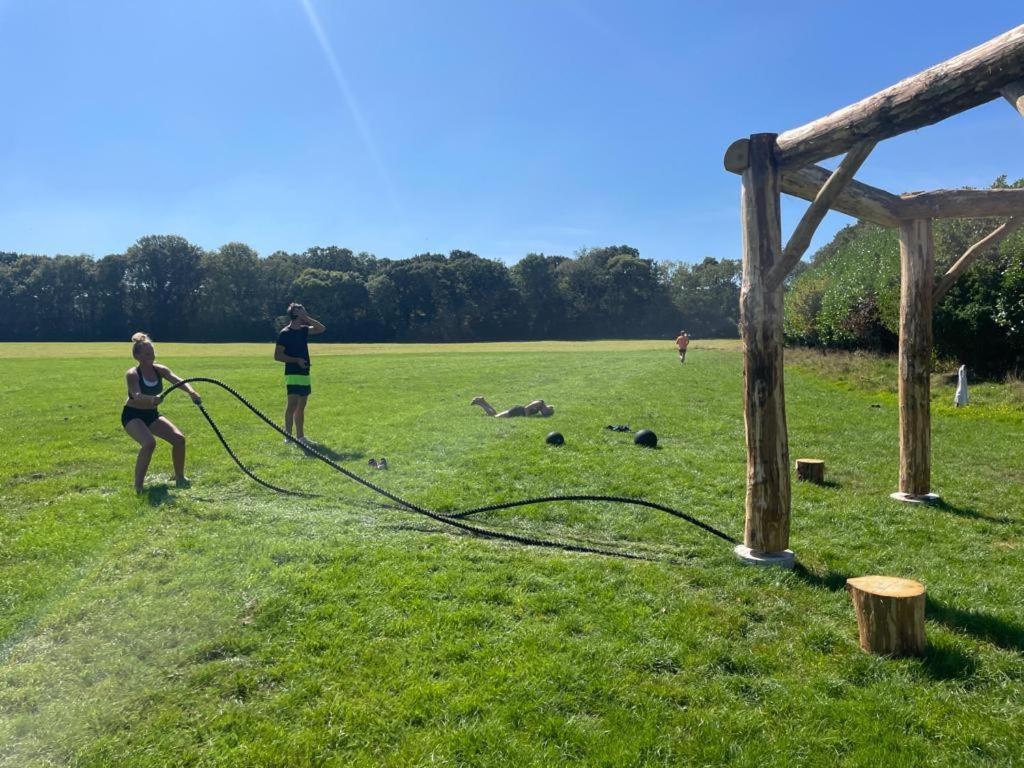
[(162, 278), (849, 296), (229, 305), (707, 296), (173, 289), (277, 274), (20, 295), (340, 299), (68, 284), (483, 300), (111, 319), (535, 278)]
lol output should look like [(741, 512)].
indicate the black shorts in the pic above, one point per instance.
[(298, 384), (147, 415)]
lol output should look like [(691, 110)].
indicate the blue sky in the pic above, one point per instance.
[(404, 126)]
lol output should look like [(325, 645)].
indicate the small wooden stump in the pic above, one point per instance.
[(812, 470), (890, 614)]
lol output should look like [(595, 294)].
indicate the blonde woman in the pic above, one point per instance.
[(140, 418)]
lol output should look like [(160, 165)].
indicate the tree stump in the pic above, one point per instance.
[(812, 470), (890, 614)]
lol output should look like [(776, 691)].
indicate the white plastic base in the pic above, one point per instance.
[(928, 498), (783, 559)]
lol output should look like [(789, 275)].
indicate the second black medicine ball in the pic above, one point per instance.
[(646, 438)]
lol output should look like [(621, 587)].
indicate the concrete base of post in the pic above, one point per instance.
[(783, 559), (927, 498)]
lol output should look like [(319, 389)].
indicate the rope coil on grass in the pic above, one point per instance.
[(455, 519)]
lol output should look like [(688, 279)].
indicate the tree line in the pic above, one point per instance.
[(177, 291), (849, 296)]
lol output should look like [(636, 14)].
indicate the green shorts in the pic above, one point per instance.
[(298, 384)]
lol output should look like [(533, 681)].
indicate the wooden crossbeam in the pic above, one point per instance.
[(961, 203), (954, 86), (991, 240), (830, 190), (855, 199), (1014, 93)]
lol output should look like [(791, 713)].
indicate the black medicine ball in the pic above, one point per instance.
[(554, 438), (646, 438)]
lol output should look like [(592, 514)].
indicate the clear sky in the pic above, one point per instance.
[(404, 126)]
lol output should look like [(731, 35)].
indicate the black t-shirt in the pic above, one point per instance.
[(295, 343)]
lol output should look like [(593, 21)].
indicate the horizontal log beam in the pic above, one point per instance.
[(859, 200), (1014, 93), (991, 240), (830, 190), (961, 203), (954, 86)]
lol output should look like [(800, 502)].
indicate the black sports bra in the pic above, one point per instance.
[(147, 388)]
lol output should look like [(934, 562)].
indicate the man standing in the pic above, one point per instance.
[(293, 350), (682, 342)]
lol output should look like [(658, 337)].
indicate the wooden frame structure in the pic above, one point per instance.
[(771, 164)]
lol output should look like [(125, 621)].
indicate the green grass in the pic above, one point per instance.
[(225, 625)]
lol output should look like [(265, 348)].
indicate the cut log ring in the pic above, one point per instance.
[(921, 498), (890, 614), (812, 470)]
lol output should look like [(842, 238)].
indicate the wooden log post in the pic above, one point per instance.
[(890, 614), (1014, 93), (766, 528), (915, 353), (811, 470)]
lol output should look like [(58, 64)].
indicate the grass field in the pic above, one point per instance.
[(224, 625)]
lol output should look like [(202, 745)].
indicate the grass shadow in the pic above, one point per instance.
[(942, 663), (334, 455), (831, 580), (158, 495), (973, 514), (1007, 635), (825, 483)]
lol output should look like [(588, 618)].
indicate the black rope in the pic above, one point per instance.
[(454, 519), (613, 499)]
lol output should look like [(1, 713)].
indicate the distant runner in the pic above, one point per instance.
[(682, 342), (292, 349)]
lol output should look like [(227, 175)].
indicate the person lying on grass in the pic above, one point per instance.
[(140, 418), (536, 408)]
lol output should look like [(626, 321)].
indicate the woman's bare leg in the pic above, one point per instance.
[(165, 430), (488, 408), (140, 433)]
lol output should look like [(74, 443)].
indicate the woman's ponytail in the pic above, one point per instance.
[(138, 339)]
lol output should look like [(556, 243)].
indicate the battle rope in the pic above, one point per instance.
[(454, 519)]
